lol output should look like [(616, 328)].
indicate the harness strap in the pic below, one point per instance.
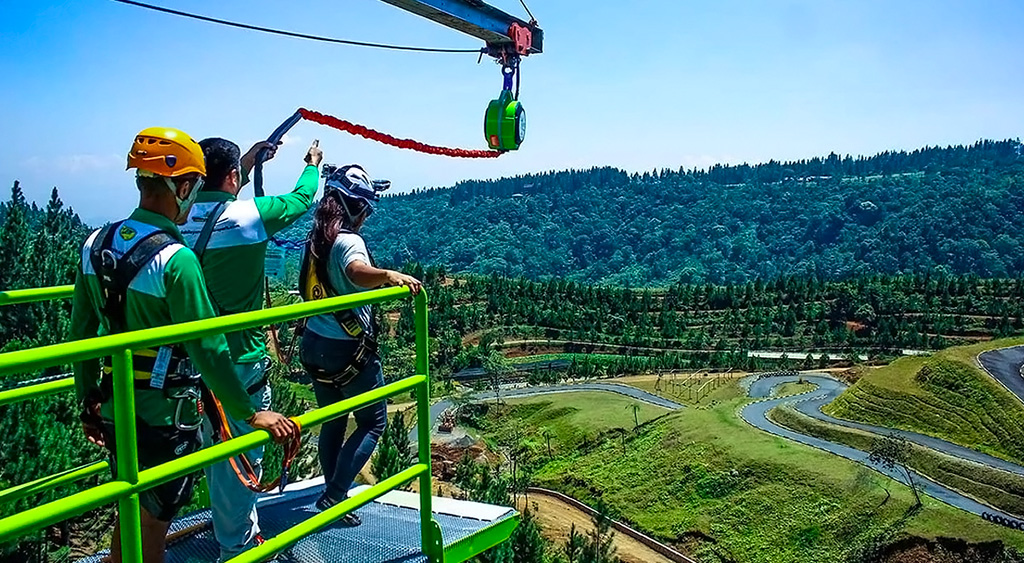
[(204, 236), (177, 375), (347, 319), (204, 240), (116, 274), (241, 465)]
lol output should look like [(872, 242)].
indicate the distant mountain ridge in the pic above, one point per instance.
[(950, 208)]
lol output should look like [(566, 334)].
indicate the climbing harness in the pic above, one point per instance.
[(166, 368), (116, 273), (315, 284)]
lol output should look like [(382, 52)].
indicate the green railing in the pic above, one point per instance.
[(131, 481)]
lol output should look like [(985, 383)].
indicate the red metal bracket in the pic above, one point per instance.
[(522, 38)]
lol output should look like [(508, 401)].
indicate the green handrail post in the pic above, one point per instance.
[(428, 533), (35, 294), (128, 509), (208, 456), (19, 394), (53, 481), (291, 536)]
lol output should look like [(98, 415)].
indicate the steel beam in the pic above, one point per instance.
[(472, 17)]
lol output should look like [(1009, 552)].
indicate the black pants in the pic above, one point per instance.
[(157, 445)]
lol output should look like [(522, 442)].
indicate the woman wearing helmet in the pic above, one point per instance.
[(339, 350)]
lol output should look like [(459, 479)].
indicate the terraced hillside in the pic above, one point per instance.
[(702, 325), (947, 396)]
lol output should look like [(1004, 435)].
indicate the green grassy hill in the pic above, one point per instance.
[(704, 480), (946, 395)]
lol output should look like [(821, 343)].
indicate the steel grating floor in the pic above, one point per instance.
[(390, 530)]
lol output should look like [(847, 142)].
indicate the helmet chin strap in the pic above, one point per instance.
[(348, 212), (183, 204)]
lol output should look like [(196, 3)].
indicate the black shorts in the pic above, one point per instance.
[(157, 445)]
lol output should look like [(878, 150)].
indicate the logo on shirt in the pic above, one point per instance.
[(127, 233)]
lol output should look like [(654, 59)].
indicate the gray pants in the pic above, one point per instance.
[(235, 522)]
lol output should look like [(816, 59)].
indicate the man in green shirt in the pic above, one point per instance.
[(230, 236), (138, 274)]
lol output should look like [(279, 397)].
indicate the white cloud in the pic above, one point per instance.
[(289, 139), (76, 163)]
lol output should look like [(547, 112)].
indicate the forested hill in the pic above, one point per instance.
[(958, 208)]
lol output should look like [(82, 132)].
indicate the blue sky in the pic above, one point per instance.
[(639, 85)]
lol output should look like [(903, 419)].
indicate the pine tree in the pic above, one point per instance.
[(14, 239), (393, 452), (600, 546), (528, 546)]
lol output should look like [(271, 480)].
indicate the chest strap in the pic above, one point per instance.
[(116, 274), (315, 283)]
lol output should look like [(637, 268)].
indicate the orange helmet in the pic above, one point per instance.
[(165, 151)]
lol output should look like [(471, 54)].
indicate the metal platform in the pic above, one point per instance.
[(390, 530)]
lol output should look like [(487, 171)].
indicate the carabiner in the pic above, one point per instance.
[(187, 393)]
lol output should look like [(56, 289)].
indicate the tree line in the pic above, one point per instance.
[(953, 209)]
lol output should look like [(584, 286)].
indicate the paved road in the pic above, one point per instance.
[(437, 408), (1005, 367), (827, 389)]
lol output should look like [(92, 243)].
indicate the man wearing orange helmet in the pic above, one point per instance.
[(138, 274)]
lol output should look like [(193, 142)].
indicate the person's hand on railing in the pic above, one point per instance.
[(280, 427), (399, 279), (92, 424)]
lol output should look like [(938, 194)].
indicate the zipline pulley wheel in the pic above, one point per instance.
[(505, 119)]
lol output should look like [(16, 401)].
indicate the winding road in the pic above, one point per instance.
[(1004, 365), (810, 403)]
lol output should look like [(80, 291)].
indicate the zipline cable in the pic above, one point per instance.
[(533, 20), (292, 33)]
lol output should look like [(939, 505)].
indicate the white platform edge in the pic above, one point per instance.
[(442, 505), (401, 499)]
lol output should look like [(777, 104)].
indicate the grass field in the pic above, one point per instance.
[(994, 487), (794, 388), (946, 395), (687, 394), (705, 472), (569, 418)]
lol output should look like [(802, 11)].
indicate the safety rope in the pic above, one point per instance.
[(241, 465), (362, 131), (373, 135)]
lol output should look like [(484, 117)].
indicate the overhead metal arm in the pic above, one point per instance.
[(478, 19)]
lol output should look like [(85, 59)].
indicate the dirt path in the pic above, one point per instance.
[(556, 519)]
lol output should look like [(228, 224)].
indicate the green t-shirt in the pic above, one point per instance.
[(234, 258), (169, 289)]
